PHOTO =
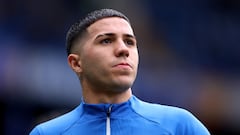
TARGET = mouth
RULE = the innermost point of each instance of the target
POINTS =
(123, 65)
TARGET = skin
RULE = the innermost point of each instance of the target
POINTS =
(106, 61)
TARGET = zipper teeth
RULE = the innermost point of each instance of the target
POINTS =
(108, 124)
(108, 128)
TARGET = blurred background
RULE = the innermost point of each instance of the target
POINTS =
(189, 57)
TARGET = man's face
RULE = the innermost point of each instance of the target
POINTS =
(109, 55)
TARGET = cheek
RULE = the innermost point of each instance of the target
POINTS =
(92, 59)
(135, 57)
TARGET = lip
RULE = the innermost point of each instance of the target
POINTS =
(123, 64)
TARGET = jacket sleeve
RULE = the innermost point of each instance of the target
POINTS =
(193, 126)
(35, 131)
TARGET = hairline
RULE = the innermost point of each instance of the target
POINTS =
(81, 35)
(79, 29)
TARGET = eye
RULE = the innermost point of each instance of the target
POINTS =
(130, 42)
(106, 41)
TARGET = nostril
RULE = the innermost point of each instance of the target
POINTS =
(123, 53)
(127, 54)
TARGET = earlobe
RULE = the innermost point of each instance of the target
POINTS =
(74, 62)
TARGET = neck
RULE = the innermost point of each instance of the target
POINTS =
(93, 97)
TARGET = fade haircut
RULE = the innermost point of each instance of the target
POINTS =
(78, 29)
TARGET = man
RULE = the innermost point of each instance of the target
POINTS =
(102, 51)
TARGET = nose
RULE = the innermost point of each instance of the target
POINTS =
(121, 49)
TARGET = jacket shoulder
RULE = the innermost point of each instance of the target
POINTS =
(158, 112)
(58, 124)
(174, 119)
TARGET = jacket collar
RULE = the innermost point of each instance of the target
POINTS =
(103, 110)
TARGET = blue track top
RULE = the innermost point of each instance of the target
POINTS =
(134, 117)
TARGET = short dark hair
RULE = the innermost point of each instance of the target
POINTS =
(77, 29)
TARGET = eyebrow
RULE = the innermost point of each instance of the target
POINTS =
(112, 34)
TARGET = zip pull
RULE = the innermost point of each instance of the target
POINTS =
(108, 124)
(109, 110)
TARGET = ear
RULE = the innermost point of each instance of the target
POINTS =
(75, 63)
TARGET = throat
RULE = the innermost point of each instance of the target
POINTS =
(104, 97)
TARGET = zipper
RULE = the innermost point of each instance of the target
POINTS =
(108, 124)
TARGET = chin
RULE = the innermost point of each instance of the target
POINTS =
(120, 90)
(122, 87)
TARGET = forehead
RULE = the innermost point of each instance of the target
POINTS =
(110, 25)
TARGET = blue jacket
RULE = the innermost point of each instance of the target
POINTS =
(133, 117)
